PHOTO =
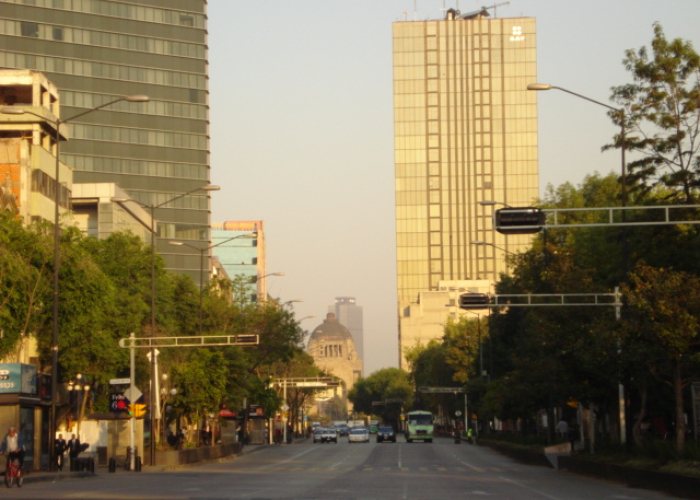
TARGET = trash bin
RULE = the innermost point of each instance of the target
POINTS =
(112, 465)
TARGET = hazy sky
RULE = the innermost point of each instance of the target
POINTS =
(302, 121)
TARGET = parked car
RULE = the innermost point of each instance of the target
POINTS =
(386, 434)
(325, 435)
(359, 435)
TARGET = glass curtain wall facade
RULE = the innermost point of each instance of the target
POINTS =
(95, 51)
(465, 132)
(242, 257)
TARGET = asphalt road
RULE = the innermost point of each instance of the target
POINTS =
(386, 471)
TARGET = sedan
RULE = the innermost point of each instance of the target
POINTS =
(358, 436)
(325, 436)
(386, 434)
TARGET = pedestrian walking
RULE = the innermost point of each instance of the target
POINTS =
(74, 449)
(563, 429)
(60, 447)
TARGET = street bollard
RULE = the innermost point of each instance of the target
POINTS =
(112, 467)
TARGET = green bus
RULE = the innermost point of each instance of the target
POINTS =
(419, 427)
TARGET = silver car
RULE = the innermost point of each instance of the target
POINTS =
(358, 436)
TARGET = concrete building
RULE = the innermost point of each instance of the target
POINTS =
(95, 51)
(28, 146)
(240, 255)
(465, 132)
(98, 217)
(349, 314)
(333, 349)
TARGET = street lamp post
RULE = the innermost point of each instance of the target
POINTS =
(17, 110)
(492, 203)
(620, 111)
(623, 189)
(258, 278)
(258, 288)
(482, 243)
(152, 208)
(291, 302)
(80, 388)
(201, 265)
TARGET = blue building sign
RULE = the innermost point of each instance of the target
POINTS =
(17, 378)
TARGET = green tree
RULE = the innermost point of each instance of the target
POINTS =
(391, 387)
(26, 255)
(664, 314)
(662, 114)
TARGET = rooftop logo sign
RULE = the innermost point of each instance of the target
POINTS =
(517, 35)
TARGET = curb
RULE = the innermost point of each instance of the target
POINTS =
(674, 484)
(55, 476)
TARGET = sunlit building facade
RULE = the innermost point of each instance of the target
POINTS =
(95, 51)
(239, 247)
(465, 132)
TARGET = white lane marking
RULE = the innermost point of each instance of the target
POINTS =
(290, 458)
(531, 489)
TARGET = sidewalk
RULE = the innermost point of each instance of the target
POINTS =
(38, 476)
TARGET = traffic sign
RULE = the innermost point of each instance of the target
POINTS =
(133, 393)
(119, 381)
(519, 220)
(473, 301)
(441, 390)
(118, 402)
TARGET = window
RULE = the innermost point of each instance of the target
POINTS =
(57, 33)
(30, 29)
(186, 20)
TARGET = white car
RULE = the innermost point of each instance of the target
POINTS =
(358, 436)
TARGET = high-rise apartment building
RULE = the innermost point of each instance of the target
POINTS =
(465, 132)
(95, 51)
(348, 313)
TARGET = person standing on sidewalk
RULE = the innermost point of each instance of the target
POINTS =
(60, 446)
(74, 450)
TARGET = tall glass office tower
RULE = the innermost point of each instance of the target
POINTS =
(97, 50)
(465, 132)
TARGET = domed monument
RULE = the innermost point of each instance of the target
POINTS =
(333, 349)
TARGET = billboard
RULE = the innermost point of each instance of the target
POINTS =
(17, 378)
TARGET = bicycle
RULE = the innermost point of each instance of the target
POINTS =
(13, 474)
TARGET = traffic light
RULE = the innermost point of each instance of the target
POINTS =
(473, 301)
(136, 410)
(522, 220)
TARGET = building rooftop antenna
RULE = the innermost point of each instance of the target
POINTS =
(495, 6)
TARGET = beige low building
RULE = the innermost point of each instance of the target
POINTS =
(333, 349)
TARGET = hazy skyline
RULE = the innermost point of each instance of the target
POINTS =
(302, 129)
